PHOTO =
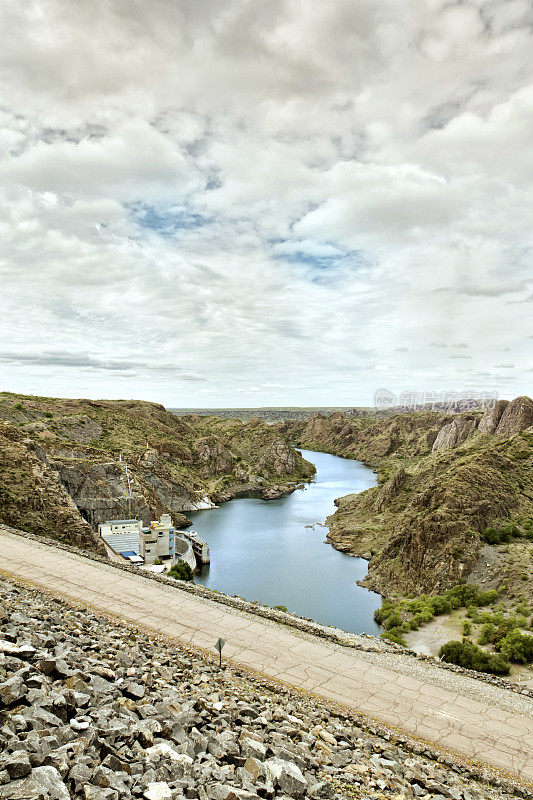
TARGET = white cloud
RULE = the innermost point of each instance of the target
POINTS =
(269, 198)
(134, 160)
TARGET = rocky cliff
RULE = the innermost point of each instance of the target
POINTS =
(443, 479)
(65, 464)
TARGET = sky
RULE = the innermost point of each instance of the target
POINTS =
(265, 202)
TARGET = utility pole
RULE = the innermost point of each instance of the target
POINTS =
(129, 490)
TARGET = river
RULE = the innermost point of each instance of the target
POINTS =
(274, 551)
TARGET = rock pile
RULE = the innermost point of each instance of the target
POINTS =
(92, 709)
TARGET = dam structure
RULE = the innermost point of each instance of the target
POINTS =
(199, 546)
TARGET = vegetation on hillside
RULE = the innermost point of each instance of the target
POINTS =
(445, 481)
(491, 638)
(63, 462)
(470, 656)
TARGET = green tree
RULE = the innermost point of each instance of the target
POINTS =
(181, 571)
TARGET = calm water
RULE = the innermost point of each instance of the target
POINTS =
(262, 550)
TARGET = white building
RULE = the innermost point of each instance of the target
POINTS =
(122, 537)
(157, 541)
(119, 526)
(138, 545)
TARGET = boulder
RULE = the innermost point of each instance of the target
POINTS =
(133, 690)
(254, 768)
(321, 789)
(91, 792)
(286, 776)
(158, 791)
(250, 747)
(17, 764)
(231, 793)
(12, 691)
(44, 782)
(19, 651)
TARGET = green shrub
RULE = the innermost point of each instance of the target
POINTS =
(498, 665)
(19, 407)
(405, 627)
(393, 621)
(381, 614)
(465, 593)
(488, 633)
(394, 635)
(487, 598)
(181, 571)
(510, 529)
(517, 646)
(467, 627)
(440, 605)
(470, 656)
(423, 616)
(506, 533)
(280, 608)
(491, 536)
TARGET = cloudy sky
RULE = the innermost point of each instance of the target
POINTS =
(253, 202)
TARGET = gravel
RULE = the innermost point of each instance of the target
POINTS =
(96, 710)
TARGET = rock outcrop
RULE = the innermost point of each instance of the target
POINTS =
(491, 418)
(454, 433)
(32, 494)
(517, 416)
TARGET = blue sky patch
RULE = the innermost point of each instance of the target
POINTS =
(324, 268)
(166, 220)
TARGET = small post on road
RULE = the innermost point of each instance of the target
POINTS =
(219, 645)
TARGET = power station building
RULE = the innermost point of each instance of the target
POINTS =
(159, 543)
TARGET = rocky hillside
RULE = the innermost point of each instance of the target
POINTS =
(63, 463)
(443, 479)
(97, 711)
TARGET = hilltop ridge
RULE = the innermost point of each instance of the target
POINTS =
(63, 463)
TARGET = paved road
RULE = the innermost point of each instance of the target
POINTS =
(465, 716)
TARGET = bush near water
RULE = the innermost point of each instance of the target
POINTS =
(180, 571)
